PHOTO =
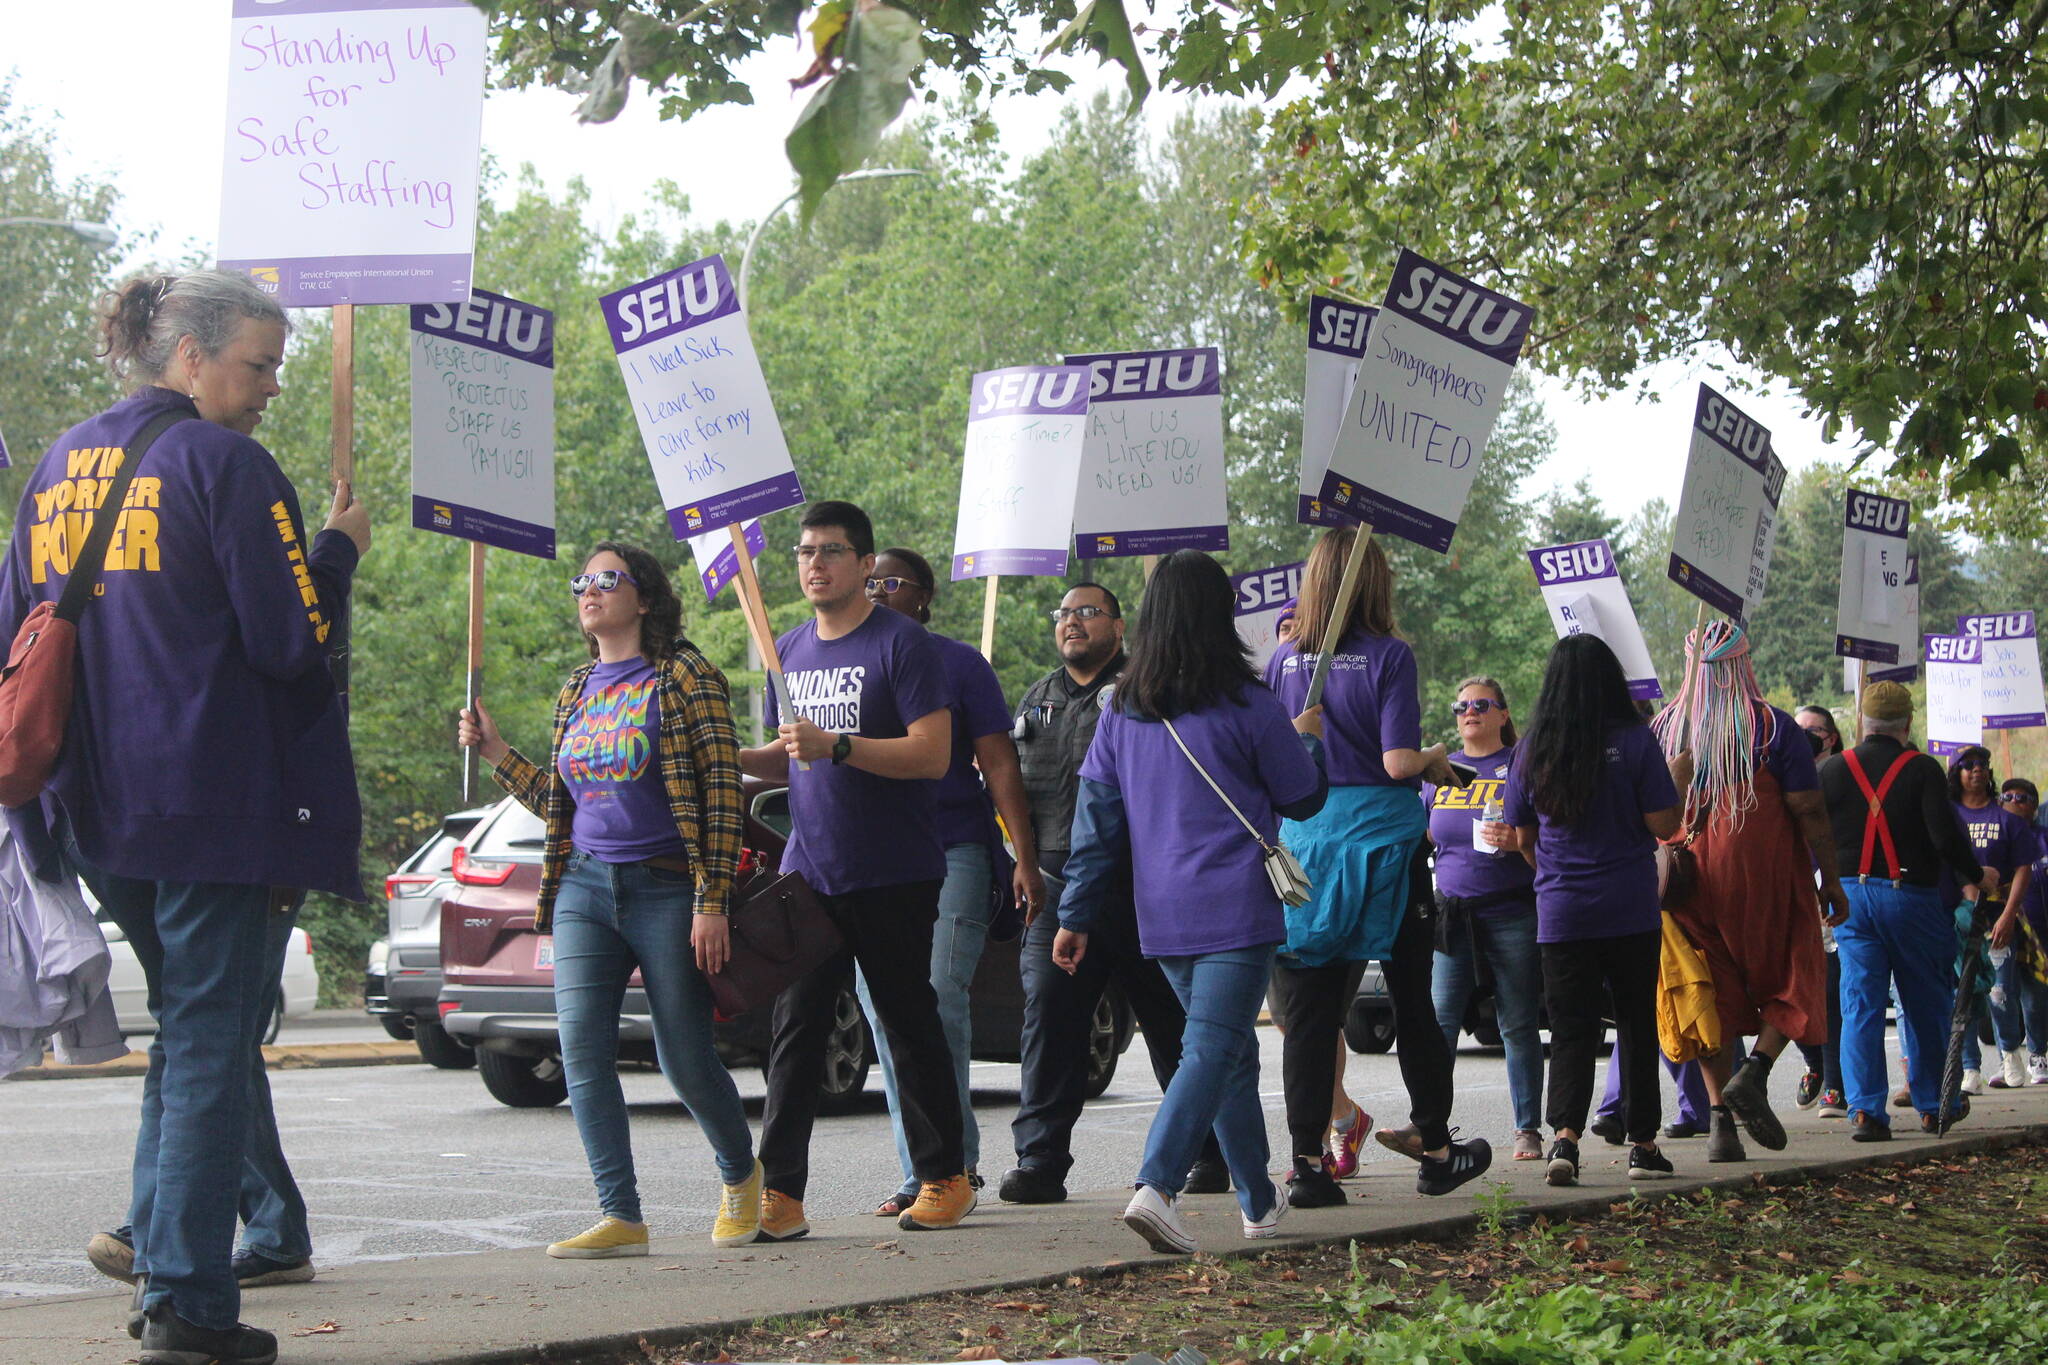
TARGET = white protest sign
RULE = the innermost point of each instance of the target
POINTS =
(1582, 586)
(353, 129)
(1903, 631)
(1260, 596)
(699, 396)
(2012, 669)
(1336, 339)
(1873, 587)
(1435, 371)
(1955, 697)
(718, 563)
(6, 462)
(1728, 512)
(483, 422)
(1152, 477)
(1026, 428)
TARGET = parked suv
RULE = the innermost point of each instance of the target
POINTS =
(402, 983)
(497, 990)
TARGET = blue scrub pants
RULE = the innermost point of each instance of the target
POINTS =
(1903, 935)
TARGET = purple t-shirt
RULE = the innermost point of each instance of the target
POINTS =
(978, 710)
(1597, 877)
(853, 829)
(610, 758)
(1198, 878)
(1370, 704)
(2002, 840)
(1466, 867)
(1788, 755)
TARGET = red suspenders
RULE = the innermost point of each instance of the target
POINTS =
(1876, 829)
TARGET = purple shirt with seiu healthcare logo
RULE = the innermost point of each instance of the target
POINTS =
(1370, 704)
(1597, 877)
(976, 701)
(611, 761)
(1199, 878)
(1464, 867)
(853, 829)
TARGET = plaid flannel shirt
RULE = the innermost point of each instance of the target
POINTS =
(700, 770)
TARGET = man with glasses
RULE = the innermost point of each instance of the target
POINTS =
(1055, 725)
(2023, 799)
(871, 721)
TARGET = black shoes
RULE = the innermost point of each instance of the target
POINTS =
(1683, 1128)
(1930, 1124)
(1466, 1161)
(1724, 1143)
(1865, 1128)
(168, 1339)
(1207, 1177)
(253, 1269)
(1029, 1185)
(1564, 1163)
(1608, 1128)
(1748, 1099)
(1311, 1187)
(1647, 1163)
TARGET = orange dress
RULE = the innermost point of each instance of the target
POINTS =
(1755, 917)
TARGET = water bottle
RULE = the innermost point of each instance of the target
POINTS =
(1494, 813)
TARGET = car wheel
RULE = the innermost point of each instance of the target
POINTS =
(439, 1048)
(276, 1022)
(397, 1025)
(523, 1082)
(1102, 1047)
(1369, 1030)
(849, 1052)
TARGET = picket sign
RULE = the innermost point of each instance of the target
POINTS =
(1152, 473)
(2011, 668)
(1337, 331)
(718, 563)
(1903, 632)
(1582, 587)
(1873, 580)
(1258, 597)
(1727, 521)
(1955, 697)
(5, 462)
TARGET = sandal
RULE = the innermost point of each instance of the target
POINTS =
(896, 1204)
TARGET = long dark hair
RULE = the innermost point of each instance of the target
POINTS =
(1185, 653)
(663, 624)
(1955, 772)
(1584, 696)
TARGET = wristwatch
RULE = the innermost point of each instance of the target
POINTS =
(842, 749)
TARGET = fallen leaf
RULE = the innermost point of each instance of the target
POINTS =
(1579, 1246)
(1021, 1306)
(1609, 1267)
(1789, 1257)
(1244, 1303)
(835, 1321)
(819, 1335)
(321, 1330)
(980, 1353)
(1290, 1275)
(1074, 1281)
(1853, 1277)
(1197, 1289)
(1640, 1292)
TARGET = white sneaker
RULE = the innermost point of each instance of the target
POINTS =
(2037, 1066)
(1158, 1221)
(1269, 1226)
(2012, 1072)
(1973, 1082)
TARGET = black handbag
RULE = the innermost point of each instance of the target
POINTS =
(780, 932)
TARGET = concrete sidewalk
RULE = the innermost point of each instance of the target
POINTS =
(508, 1306)
(278, 1057)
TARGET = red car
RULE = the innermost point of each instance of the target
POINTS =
(497, 990)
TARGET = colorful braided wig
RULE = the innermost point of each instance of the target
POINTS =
(1721, 716)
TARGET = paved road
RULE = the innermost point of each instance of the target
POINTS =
(400, 1161)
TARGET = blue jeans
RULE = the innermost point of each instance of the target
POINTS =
(207, 1149)
(1217, 1085)
(1901, 934)
(1509, 945)
(609, 919)
(957, 941)
(2019, 1009)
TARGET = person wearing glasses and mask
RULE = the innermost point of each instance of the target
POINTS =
(2005, 843)
(1055, 724)
(983, 752)
(644, 813)
(872, 721)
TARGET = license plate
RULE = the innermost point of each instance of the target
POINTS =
(544, 953)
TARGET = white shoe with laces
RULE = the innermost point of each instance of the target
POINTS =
(1973, 1082)
(1157, 1219)
(1269, 1226)
(2012, 1072)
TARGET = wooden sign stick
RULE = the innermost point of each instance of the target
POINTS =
(755, 608)
(988, 617)
(341, 468)
(475, 685)
(1347, 588)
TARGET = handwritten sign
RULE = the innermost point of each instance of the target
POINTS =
(1582, 586)
(1903, 631)
(1873, 586)
(353, 128)
(699, 396)
(1955, 698)
(717, 562)
(1728, 512)
(1260, 596)
(1336, 339)
(2012, 669)
(1429, 388)
(483, 422)
(1026, 429)
(1152, 476)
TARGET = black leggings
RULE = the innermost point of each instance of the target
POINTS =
(1579, 977)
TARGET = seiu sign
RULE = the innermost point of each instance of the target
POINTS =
(1266, 589)
(494, 322)
(1573, 563)
(1029, 389)
(685, 297)
(1741, 437)
(2008, 625)
(1338, 327)
(1953, 649)
(1127, 375)
(1468, 313)
(1875, 512)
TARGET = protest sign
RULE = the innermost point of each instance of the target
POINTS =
(1429, 387)
(353, 128)
(1336, 339)
(1582, 586)
(1152, 477)
(1955, 697)
(5, 461)
(718, 559)
(483, 422)
(2011, 669)
(1728, 512)
(1873, 584)
(697, 391)
(1903, 631)
(1259, 597)
(1026, 427)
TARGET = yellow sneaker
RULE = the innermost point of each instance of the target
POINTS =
(611, 1237)
(782, 1218)
(739, 1212)
(940, 1204)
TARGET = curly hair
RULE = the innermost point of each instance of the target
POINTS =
(662, 626)
(143, 320)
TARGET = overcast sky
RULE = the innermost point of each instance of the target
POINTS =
(143, 104)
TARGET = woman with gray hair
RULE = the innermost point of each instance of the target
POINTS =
(205, 782)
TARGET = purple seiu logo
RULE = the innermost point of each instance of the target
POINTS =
(1573, 563)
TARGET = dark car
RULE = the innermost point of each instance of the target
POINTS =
(497, 990)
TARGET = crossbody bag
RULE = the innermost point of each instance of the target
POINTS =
(1283, 869)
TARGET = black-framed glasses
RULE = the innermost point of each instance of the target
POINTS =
(1478, 706)
(604, 580)
(2016, 799)
(1061, 615)
(892, 585)
(828, 552)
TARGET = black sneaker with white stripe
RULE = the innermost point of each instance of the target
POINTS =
(1647, 1163)
(1465, 1161)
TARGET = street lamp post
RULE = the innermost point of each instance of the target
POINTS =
(747, 256)
(97, 235)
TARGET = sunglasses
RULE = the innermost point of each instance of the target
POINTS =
(1478, 706)
(1972, 765)
(2016, 799)
(604, 580)
(892, 585)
